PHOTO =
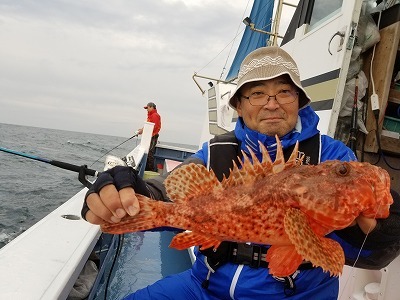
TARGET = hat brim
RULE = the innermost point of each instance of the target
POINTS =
(304, 99)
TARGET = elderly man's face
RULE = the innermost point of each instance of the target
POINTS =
(272, 118)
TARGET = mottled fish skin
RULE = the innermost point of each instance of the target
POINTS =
(288, 205)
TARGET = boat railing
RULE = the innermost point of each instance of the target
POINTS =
(195, 75)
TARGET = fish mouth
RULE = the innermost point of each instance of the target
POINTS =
(384, 184)
(380, 184)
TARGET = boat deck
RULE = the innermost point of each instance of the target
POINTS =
(145, 258)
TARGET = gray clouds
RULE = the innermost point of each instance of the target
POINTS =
(90, 65)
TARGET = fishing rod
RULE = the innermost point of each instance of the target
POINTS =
(82, 170)
(354, 112)
(135, 135)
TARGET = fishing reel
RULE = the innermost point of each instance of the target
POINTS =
(112, 161)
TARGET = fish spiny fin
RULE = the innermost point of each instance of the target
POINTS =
(236, 177)
(266, 162)
(257, 167)
(190, 180)
(279, 163)
(188, 239)
(283, 260)
(247, 170)
(225, 180)
(320, 251)
(294, 160)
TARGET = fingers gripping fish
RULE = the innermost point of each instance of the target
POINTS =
(287, 205)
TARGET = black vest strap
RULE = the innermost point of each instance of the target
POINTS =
(311, 149)
(223, 149)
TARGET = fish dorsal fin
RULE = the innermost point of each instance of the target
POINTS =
(266, 162)
(257, 167)
(294, 160)
(190, 180)
(279, 164)
(246, 174)
(235, 176)
(247, 167)
(249, 172)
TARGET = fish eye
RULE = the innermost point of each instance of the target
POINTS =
(343, 169)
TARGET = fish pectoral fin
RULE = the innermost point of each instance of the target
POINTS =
(188, 239)
(189, 181)
(320, 251)
(283, 260)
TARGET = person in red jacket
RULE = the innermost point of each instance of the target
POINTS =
(153, 117)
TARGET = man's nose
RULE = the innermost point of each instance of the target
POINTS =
(272, 103)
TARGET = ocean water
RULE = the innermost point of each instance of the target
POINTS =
(31, 189)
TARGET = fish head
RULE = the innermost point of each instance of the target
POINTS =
(335, 192)
(373, 184)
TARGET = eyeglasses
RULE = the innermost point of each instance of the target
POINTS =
(282, 97)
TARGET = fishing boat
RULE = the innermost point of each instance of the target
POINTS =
(62, 256)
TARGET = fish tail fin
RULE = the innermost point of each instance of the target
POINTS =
(151, 215)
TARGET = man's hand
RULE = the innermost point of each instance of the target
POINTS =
(113, 196)
(365, 224)
(111, 205)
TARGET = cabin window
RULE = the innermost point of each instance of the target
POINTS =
(323, 10)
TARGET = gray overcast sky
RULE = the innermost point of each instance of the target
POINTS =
(91, 65)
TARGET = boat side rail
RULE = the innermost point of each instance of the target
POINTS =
(46, 259)
(195, 75)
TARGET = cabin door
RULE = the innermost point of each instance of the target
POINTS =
(320, 37)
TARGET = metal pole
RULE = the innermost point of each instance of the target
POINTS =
(277, 20)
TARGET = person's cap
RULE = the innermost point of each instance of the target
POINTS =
(150, 104)
(267, 63)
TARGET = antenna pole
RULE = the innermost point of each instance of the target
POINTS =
(277, 20)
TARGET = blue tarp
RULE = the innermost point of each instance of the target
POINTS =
(261, 16)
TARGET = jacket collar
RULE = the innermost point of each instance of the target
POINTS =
(154, 111)
(305, 128)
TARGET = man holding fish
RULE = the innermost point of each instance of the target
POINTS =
(268, 227)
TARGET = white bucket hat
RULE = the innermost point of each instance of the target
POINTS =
(267, 63)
